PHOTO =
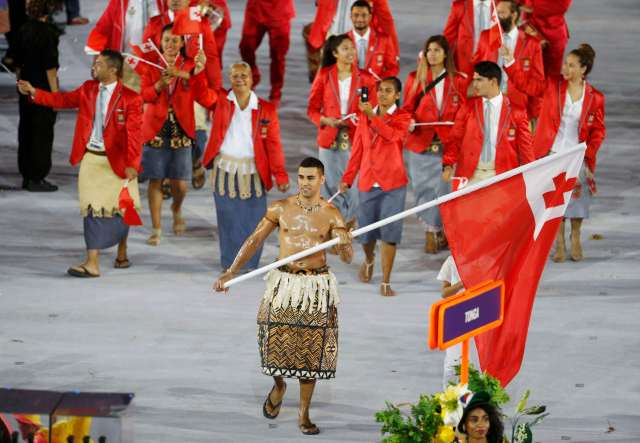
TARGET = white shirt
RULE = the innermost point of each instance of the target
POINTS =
(136, 19)
(390, 111)
(342, 21)
(440, 90)
(496, 109)
(345, 91)
(98, 145)
(477, 11)
(449, 272)
(238, 141)
(567, 135)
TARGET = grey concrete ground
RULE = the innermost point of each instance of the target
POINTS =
(190, 356)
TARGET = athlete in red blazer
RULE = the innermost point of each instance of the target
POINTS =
(513, 145)
(459, 31)
(381, 57)
(454, 97)
(122, 131)
(267, 147)
(528, 55)
(324, 101)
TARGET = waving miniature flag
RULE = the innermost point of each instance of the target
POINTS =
(188, 21)
(503, 229)
(126, 205)
(495, 31)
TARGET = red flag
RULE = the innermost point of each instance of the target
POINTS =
(135, 64)
(503, 229)
(188, 21)
(126, 205)
(495, 31)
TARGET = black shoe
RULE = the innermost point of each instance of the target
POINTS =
(40, 186)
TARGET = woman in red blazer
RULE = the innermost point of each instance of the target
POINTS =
(424, 145)
(574, 113)
(168, 131)
(333, 101)
(377, 159)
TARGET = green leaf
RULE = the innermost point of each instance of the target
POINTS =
(534, 410)
(523, 401)
(538, 419)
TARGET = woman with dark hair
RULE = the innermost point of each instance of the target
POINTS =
(574, 113)
(168, 131)
(36, 59)
(480, 421)
(333, 103)
(434, 93)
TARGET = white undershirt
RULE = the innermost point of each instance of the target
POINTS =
(238, 141)
(567, 135)
(98, 145)
(440, 91)
(345, 91)
(496, 109)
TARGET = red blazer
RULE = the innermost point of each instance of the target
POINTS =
(528, 55)
(382, 22)
(156, 107)
(377, 156)
(513, 145)
(213, 71)
(270, 12)
(122, 132)
(324, 100)
(459, 33)
(267, 148)
(382, 58)
(108, 32)
(453, 98)
(548, 18)
(591, 129)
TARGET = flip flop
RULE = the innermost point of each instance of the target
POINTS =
(121, 264)
(310, 429)
(81, 272)
(271, 405)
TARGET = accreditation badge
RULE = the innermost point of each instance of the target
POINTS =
(120, 116)
(512, 134)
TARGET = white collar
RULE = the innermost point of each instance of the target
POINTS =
(477, 2)
(513, 34)
(390, 111)
(253, 100)
(366, 35)
(171, 15)
(496, 101)
(110, 87)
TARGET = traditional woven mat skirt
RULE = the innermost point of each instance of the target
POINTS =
(298, 325)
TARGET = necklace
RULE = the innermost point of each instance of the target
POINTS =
(306, 208)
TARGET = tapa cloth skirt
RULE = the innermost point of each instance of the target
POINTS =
(298, 325)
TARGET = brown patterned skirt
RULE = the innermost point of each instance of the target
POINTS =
(298, 325)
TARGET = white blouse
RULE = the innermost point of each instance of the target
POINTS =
(567, 136)
(345, 90)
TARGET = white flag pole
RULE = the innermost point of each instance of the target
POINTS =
(155, 48)
(7, 69)
(399, 216)
(333, 196)
(434, 124)
(140, 59)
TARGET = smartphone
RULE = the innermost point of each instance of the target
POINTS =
(364, 94)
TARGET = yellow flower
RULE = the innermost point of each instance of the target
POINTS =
(445, 435)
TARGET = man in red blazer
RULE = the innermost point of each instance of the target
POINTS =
(467, 19)
(375, 53)
(490, 136)
(274, 18)
(244, 152)
(526, 52)
(107, 144)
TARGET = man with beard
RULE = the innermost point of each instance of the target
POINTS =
(107, 144)
(298, 316)
(526, 52)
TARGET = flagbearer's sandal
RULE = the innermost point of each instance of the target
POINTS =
(179, 226)
(366, 271)
(386, 291)
(121, 263)
(81, 272)
(309, 428)
(198, 178)
(154, 238)
(275, 409)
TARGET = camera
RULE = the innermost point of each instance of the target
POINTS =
(364, 94)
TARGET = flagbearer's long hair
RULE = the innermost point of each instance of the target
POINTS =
(423, 64)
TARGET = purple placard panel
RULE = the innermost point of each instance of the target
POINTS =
(471, 314)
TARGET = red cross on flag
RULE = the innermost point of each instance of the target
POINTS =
(188, 21)
(503, 229)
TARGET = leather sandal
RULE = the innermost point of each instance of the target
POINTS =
(154, 238)
(366, 271)
(386, 291)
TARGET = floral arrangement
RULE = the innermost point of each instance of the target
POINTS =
(434, 419)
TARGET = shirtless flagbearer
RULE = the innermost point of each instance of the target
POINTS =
(298, 317)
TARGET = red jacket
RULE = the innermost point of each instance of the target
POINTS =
(459, 32)
(377, 152)
(382, 22)
(382, 58)
(267, 148)
(153, 31)
(270, 12)
(122, 132)
(108, 32)
(156, 107)
(548, 18)
(591, 129)
(453, 98)
(513, 145)
(324, 100)
(528, 55)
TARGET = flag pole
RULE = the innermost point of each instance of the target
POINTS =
(143, 60)
(399, 216)
(155, 48)
(495, 11)
(434, 124)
